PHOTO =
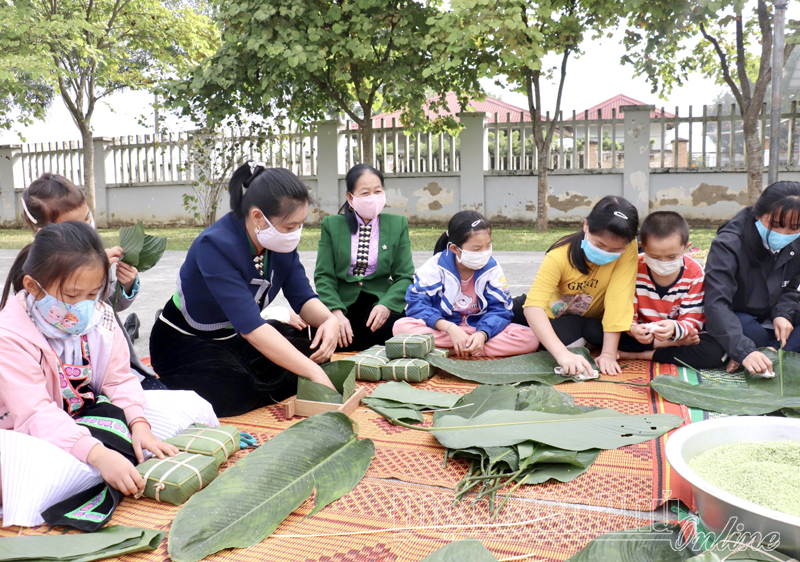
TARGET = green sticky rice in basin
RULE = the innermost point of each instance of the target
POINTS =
(767, 474)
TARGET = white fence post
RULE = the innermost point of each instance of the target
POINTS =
(636, 176)
(10, 180)
(103, 170)
(330, 157)
(474, 160)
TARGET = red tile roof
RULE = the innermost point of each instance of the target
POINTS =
(603, 110)
(490, 106)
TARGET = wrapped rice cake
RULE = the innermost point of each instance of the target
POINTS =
(175, 479)
(218, 442)
(409, 345)
(411, 370)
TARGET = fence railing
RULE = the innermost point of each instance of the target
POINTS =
(397, 151)
(710, 140)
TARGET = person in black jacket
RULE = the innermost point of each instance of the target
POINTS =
(752, 277)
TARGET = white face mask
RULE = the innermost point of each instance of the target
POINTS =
(663, 267)
(275, 241)
(474, 260)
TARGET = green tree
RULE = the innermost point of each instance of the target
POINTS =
(509, 38)
(728, 41)
(294, 59)
(87, 49)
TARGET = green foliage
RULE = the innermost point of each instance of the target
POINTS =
(248, 501)
(465, 550)
(294, 59)
(141, 250)
(658, 542)
(343, 376)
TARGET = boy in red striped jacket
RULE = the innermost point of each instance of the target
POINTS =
(668, 313)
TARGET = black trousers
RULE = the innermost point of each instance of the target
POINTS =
(569, 328)
(707, 354)
(363, 336)
(231, 374)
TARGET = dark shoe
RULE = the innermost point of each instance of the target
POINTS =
(132, 324)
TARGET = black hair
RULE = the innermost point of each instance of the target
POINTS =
(276, 192)
(611, 215)
(350, 181)
(57, 252)
(47, 198)
(460, 228)
(663, 224)
(782, 201)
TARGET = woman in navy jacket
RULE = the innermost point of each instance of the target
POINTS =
(210, 336)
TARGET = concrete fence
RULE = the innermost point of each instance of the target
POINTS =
(691, 164)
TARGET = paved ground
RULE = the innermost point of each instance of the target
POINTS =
(158, 284)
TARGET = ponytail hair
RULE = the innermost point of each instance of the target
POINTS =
(350, 181)
(57, 252)
(611, 215)
(276, 192)
(781, 200)
(47, 198)
(460, 228)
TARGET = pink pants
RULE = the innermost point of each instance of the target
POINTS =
(513, 340)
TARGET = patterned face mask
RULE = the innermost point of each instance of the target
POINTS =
(69, 318)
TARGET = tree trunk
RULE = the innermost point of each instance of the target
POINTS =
(541, 205)
(368, 156)
(88, 167)
(755, 160)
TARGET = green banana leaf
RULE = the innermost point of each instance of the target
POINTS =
(536, 367)
(598, 429)
(654, 543)
(466, 550)
(143, 251)
(385, 403)
(547, 399)
(723, 398)
(542, 472)
(550, 455)
(407, 394)
(726, 550)
(248, 501)
(482, 399)
(106, 543)
(131, 238)
(343, 376)
(407, 415)
(791, 375)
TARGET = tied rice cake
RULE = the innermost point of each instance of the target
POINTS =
(415, 346)
(411, 370)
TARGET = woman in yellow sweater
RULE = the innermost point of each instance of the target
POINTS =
(583, 292)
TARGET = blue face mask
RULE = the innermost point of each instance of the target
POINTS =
(69, 318)
(596, 255)
(775, 240)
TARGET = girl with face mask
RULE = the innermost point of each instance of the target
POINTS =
(364, 263)
(210, 336)
(583, 291)
(668, 318)
(461, 295)
(752, 275)
(52, 199)
(74, 420)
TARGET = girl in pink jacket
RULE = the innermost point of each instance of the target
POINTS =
(74, 420)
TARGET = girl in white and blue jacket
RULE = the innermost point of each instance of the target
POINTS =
(461, 296)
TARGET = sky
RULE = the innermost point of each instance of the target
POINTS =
(594, 77)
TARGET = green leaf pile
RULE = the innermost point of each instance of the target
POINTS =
(248, 501)
(519, 435)
(142, 251)
(532, 367)
(343, 376)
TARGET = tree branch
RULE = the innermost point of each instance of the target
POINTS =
(764, 68)
(741, 61)
(726, 74)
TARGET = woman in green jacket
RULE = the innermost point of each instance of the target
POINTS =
(364, 263)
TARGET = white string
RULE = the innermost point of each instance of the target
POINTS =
(428, 527)
(523, 557)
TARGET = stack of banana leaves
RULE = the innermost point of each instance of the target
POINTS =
(515, 435)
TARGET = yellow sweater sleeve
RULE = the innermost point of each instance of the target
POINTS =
(618, 313)
(547, 281)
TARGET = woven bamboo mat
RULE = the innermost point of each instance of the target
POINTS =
(408, 479)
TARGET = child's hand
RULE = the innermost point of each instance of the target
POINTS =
(757, 362)
(642, 334)
(126, 275)
(116, 470)
(574, 364)
(459, 339)
(298, 323)
(664, 330)
(143, 438)
(475, 343)
(783, 329)
(607, 364)
(114, 254)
